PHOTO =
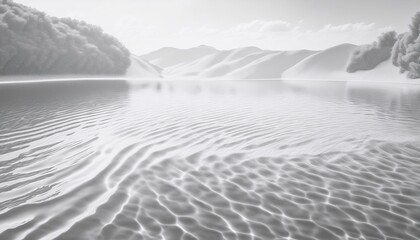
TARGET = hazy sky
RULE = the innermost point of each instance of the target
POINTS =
(145, 25)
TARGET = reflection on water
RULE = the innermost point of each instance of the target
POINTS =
(209, 160)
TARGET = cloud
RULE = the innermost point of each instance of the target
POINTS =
(34, 43)
(406, 51)
(369, 56)
(263, 26)
(279, 26)
(349, 27)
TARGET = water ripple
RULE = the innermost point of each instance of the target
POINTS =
(102, 160)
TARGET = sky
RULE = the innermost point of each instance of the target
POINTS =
(147, 25)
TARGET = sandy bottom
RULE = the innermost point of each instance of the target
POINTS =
(255, 160)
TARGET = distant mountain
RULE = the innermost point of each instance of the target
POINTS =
(254, 63)
(330, 64)
(168, 56)
(141, 68)
(330, 61)
(271, 65)
(240, 63)
(218, 64)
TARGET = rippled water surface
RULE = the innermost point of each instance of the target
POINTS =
(210, 160)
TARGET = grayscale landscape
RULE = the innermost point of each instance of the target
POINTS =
(196, 119)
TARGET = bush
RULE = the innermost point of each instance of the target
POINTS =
(406, 51)
(369, 56)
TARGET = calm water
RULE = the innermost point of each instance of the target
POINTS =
(209, 160)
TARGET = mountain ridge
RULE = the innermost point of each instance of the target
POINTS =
(205, 62)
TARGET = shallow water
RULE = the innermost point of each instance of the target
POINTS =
(209, 160)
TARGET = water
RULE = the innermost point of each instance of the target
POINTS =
(209, 160)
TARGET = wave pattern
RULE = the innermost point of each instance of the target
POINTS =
(99, 160)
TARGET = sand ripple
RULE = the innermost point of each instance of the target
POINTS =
(102, 160)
